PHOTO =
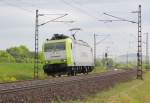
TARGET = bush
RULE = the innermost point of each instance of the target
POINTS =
(21, 54)
(5, 57)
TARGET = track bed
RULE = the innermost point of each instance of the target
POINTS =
(65, 88)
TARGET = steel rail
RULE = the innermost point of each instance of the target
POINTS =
(56, 83)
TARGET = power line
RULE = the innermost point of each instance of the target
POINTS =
(103, 39)
(139, 47)
(82, 6)
(79, 9)
(52, 19)
(16, 6)
(96, 43)
(119, 19)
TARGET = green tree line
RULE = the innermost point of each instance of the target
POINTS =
(20, 54)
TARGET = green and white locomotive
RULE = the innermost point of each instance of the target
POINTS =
(67, 56)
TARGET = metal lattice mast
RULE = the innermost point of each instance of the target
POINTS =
(139, 53)
(36, 58)
(96, 43)
(94, 49)
(127, 59)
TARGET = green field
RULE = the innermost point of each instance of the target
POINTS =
(10, 72)
(17, 71)
(99, 70)
(135, 91)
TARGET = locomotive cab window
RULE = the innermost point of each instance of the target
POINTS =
(54, 46)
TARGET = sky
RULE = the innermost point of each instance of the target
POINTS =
(17, 23)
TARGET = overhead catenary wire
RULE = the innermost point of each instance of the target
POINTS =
(79, 9)
(139, 51)
(119, 19)
(16, 6)
(53, 19)
(96, 43)
(82, 6)
(103, 39)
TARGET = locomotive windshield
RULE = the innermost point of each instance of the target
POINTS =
(54, 46)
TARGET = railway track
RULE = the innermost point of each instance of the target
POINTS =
(11, 89)
(31, 84)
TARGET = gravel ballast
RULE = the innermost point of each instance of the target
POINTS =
(68, 88)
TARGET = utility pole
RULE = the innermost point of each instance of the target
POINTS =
(147, 53)
(94, 49)
(139, 53)
(96, 43)
(36, 54)
(127, 59)
(106, 60)
(37, 25)
(127, 55)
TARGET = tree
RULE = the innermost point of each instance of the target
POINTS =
(98, 62)
(20, 53)
(5, 57)
(41, 57)
(109, 60)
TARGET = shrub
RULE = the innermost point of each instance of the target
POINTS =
(5, 57)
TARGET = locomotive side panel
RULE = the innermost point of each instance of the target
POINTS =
(82, 54)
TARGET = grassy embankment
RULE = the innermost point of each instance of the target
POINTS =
(17, 71)
(99, 70)
(10, 72)
(135, 91)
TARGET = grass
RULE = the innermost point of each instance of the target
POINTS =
(10, 72)
(135, 91)
(99, 69)
(17, 71)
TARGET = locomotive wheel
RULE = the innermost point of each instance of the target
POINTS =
(86, 68)
(69, 72)
(72, 73)
(75, 73)
(53, 75)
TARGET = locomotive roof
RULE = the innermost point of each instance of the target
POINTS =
(69, 39)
